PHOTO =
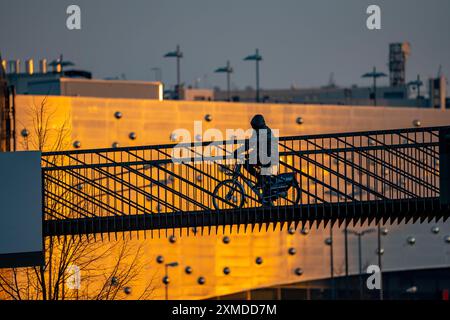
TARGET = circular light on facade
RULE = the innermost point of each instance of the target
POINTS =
(447, 239)
(114, 281)
(173, 137)
(292, 251)
(226, 240)
(298, 271)
(188, 270)
(208, 118)
(328, 241)
(115, 145)
(435, 230)
(411, 241)
(132, 135)
(166, 280)
(199, 178)
(80, 186)
(299, 120)
(259, 260)
(24, 133)
(384, 231)
(304, 231)
(417, 123)
(412, 290)
(127, 290)
(198, 137)
(380, 252)
(159, 259)
(77, 144)
(201, 280)
(118, 115)
(159, 208)
(291, 230)
(172, 239)
(226, 271)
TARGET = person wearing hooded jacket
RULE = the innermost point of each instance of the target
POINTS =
(258, 160)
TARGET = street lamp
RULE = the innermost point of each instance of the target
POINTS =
(329, 242)
(228, 70)
(380, 251)
(166, 276)
(176, 54)
(374, 75)
(346, 256)
(257, 58)
(360, 234)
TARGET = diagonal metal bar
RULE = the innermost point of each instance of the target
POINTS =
(373, 175)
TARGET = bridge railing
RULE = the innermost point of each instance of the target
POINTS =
(337, 169)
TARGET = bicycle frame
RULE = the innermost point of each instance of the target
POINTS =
(237, 173)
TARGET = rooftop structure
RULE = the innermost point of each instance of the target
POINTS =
(76, 83)
(398, 54)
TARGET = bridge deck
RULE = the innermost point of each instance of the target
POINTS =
(392, 175)
(406, 210)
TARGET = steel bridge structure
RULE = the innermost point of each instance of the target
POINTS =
(391, 176)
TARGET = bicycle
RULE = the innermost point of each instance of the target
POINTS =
(230, 193)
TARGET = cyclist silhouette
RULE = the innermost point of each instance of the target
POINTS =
(258, 149)
(261, 162)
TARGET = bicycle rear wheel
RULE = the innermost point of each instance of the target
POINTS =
(228, 194)
(292, 196)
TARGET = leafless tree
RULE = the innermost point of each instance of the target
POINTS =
(108, 269)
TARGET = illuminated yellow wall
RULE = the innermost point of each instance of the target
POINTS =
(92, 122)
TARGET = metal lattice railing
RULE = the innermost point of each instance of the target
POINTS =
(89, 186)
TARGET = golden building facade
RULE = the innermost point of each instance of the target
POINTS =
(95, 123)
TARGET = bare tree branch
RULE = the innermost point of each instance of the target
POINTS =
(99, 262)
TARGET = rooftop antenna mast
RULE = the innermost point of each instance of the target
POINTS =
(439, 74)
(331, 81)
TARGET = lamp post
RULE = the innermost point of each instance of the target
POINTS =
(346, 256)
(379, 253)
(329, 242)
(360, 234)
(166, 276)
(228, 70)
(374, 75)
(178, 55)
(257, 58)
(333, 286)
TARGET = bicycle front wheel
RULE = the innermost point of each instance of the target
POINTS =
(228, 194)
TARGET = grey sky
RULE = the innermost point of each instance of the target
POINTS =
(302, 42)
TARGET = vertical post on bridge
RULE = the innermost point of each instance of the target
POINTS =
(444, 166)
